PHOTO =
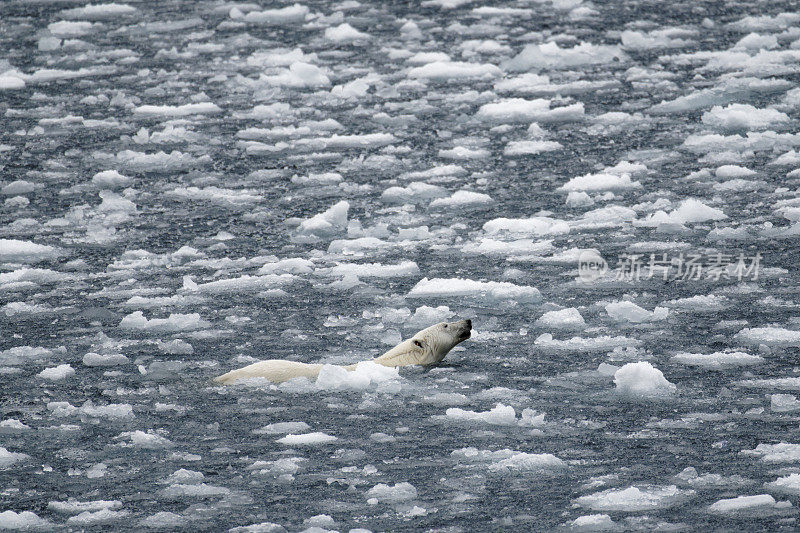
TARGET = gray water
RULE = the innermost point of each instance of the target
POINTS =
(533, 424)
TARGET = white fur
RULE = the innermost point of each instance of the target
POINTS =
(427, 347)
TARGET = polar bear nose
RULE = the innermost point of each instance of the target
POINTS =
(469, 323)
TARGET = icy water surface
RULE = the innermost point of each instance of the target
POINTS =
(189, 187)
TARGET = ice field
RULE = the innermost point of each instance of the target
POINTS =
(610, 191)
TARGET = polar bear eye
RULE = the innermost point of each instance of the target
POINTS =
(419, 344)
(445, 326)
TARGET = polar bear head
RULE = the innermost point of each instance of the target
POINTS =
(428, 346)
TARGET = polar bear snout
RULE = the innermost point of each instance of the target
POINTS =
(463, 329)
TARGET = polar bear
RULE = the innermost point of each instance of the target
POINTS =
(427, 347)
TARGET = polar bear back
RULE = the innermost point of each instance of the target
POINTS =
(275, 370)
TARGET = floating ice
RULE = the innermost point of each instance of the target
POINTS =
(463, 153)
(185, 476)
(204, 108)
(770, 335)
(8, 458)
(510, 461)
(307, 439)
(789, 484)
(602, 343)
(782, 452)
(365, 375)
(371, 270)
(357, 246)
(73, 506)
(729, 90)
(18, 187)
(96, 359)
(278, 428)
(569, 318)
(600, 182)
(162, 520)
(327, 223)
(454, 70)
(440, 171)
(718, 360)
(666, 38)
(241, 284)
(743, 503)
(24, 521)
(771, 383)
(11, 80)
(174, 323)
(65, 28)
(733, 171)
(110, 179)
(423, 58)
(12, 425)
(15, 308)
(414, 192)
(701, 303)
(25, 354)
(262, 527)
(175, 347)
(743, 117)
(425, 316)
(593, 522)
(16, 251)
(525, 247)
(400, 492)
(636, 499)
(159, 161)
(550, 55)
(291, 265)
(626, 311)
(518, 110)
(751, 142)
(280, 57)
(493, 290)
(299, 75)
(47, 75)
(326, 178)
(462, 199)
(146, 440)
(642, 380)
(602, 217)
(528, 462)
(57, 373)
(515, 148)
(179, 491)
(344, 33)
(765, 22)
(690, 477)
(540, 226)
(692, 210)
(292, 14)
(783, 403)
(98, 11)
(499, 415)
(112, 411)
(217, 195)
